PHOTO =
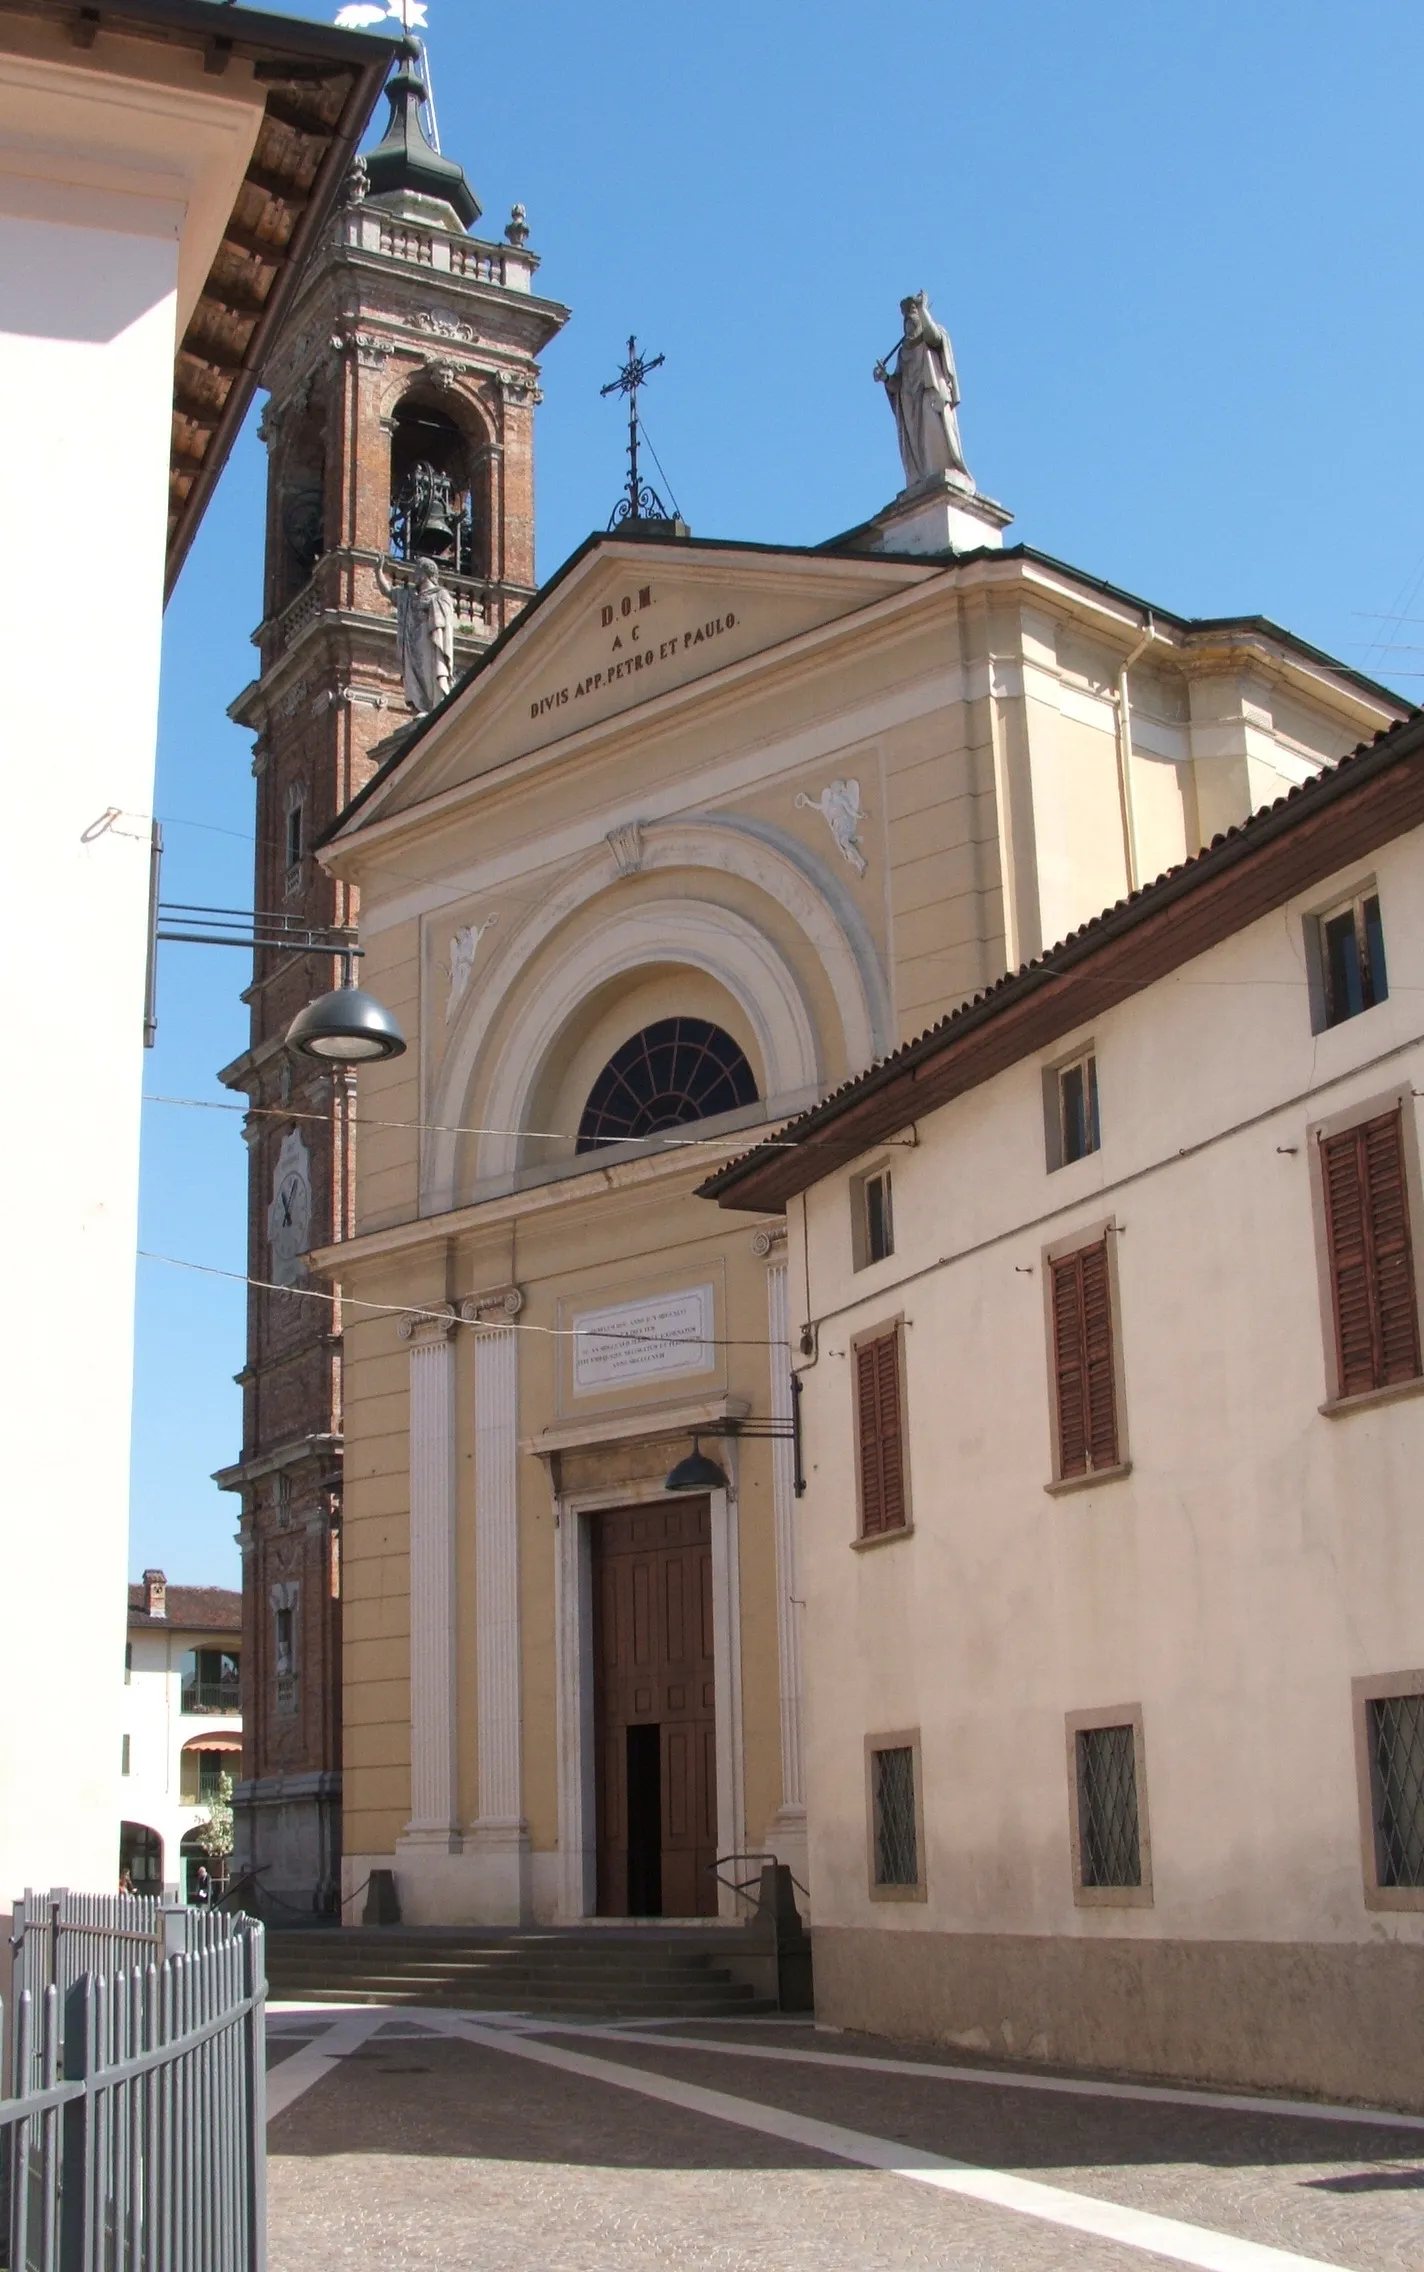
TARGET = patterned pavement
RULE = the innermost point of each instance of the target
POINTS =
(400, 2140)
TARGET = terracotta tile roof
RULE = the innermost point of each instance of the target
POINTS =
(191, 1609)
(1071, 981)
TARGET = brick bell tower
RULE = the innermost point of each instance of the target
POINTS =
(400, 427)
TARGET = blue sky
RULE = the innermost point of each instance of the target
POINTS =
(1177, 247)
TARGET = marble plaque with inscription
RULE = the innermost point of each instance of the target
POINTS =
(659, 1339)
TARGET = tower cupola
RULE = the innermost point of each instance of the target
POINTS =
(405, 171)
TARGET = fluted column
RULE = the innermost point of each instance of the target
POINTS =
(500, 1835)
(433, 1801)
(786, 1833)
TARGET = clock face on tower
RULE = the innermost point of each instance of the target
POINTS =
(289, 1216)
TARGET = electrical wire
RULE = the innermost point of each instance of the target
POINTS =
(736, 1137)
(620, 1334)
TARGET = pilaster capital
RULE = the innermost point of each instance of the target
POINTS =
(424, 1329)
(497, 1305)
(768, 1242)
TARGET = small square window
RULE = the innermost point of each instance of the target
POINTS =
(1070, 1109)
(893, 1817)
(1395, 1730)
(879, 1220)
(1349, 943)
(128, 1664)
(873, 1218)
(1078, 1108)
(294, 836)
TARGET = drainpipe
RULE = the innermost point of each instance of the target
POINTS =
(1124, 753)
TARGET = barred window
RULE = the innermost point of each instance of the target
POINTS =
(1396, 1739)
(1109, 1847)
(892, 1784)
(674, 1071)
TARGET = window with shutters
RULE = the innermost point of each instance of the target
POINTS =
(877, 1360)
(1070, 1108)
(1389, 1725)
(872, 1218)
(1088, 1432)
(1369, 1255)
(1347, 959)
(1108, 1808)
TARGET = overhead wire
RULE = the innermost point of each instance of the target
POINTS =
(621, 1334)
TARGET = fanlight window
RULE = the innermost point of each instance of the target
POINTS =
(677, 1070)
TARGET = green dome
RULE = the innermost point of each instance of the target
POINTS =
(407, 159)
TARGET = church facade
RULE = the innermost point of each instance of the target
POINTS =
(709, 829)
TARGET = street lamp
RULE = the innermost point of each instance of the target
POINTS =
(346, 1027)
(696, 1473)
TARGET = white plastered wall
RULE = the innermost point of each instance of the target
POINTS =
(113, 194)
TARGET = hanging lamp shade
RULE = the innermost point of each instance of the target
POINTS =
(346, 1027)
(696, 1473)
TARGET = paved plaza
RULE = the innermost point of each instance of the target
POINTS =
(479, 2143)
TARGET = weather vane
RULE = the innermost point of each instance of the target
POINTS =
(639, 502)
(364, 15)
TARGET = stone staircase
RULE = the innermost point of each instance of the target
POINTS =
(604, 1972)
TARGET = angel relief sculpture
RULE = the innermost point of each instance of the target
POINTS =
(463, 948)
(839, 807)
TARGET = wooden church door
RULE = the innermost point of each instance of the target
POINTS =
(655, 1710)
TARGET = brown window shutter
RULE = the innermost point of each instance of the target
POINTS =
(1083, 1371)
(880, 1434)
(1098, 1354)
(1371, 1258)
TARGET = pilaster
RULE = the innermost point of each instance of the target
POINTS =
(433, 1822)
(500, 1836)
(786, 1832)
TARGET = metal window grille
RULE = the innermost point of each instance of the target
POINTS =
(893, 1785)
(678, 1070)
(133, 2135)
(1109, 1847)
(1396, 1726)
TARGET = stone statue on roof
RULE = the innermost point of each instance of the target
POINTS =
(924, 394)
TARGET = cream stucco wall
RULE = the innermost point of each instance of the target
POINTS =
(117, 175)
(1258, 1557)
(648, 845)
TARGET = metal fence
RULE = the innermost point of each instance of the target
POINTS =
(133, 2136)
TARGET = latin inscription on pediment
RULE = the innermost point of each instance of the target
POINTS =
(635, 638)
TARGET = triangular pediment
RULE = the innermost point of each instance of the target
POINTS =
(623, 626)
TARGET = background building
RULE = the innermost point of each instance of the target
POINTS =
(1108, 1290)
(401, 418)
(182, 1725)
(163, 165)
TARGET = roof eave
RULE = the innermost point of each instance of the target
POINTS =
(1061, 987)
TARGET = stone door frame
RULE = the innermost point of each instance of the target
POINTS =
(574, 1680)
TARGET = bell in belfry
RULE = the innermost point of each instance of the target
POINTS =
(425, 506)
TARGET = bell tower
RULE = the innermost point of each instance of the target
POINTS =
(399, 430)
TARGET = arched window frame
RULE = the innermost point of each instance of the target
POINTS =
(672, 1072)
